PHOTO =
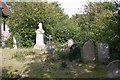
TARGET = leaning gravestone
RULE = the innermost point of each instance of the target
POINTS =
(113, 69)
(88, 52)
(103, 53)
(39, 38)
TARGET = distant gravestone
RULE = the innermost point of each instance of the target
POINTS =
(113, 69)
(49, 45)
(39, 38)
(103, 53)
(14, 43)
(88, 52)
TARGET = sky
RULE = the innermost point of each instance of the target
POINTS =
(71, 7)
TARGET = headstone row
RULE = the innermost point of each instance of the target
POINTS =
(88, 52)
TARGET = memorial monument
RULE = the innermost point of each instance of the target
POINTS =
(39, 38)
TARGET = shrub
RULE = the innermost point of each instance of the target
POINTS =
(9, 42)
(75, 52)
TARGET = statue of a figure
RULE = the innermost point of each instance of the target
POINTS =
(40, 25)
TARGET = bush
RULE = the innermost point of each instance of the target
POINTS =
(64, 55)
(75, 52)
(9, 42)
(63, 33)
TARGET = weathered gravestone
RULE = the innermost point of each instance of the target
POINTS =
(88, 52)
(39, 38)
(103, 53)
(113, 69)
(49, 45)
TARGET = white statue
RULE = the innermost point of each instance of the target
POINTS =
(70, 42)
(39, 38)
(40, 25)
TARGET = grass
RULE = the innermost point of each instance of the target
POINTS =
(72, 71)
(16, 60)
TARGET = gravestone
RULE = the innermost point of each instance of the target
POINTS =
(88, 52)
(113, 69)
(14, 43)
(103, 53)
(39, 38)
(49, 45)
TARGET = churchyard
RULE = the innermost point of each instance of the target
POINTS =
(28, 63)
(58, 61)
(34, 43)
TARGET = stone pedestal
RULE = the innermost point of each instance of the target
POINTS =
(39, 38)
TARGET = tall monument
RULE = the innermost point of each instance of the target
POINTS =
(39, 38)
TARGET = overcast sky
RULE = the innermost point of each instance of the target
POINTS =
(72, 7)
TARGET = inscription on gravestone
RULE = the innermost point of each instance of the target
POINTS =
(88, 52)
(103, 53)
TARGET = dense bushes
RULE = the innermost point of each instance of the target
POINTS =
(63, 33)
(75, 52)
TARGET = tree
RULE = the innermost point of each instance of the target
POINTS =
(26, 17)
(101, 24)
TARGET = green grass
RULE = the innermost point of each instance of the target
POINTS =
(72, 71)
(50, 69)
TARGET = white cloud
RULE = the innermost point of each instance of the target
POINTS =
(71, 6)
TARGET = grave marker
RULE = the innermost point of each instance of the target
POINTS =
(49, 46)
(88, 52)
(103, 53)
(39, 38)
(113, 69)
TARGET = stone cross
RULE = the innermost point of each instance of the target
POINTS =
(49, 47)
(39, 38)
(50, 37)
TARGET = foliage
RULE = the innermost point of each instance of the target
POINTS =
(75, 52)
(9, 42)
(63, 33)
(23, 22)
(63, 55)
(101, 24)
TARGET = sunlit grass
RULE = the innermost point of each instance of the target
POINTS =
(22, 59)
